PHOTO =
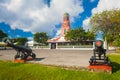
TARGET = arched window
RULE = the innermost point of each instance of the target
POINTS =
(65, 31)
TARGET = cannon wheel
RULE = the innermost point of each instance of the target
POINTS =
(21, 56)
(33, 55)
(26, 55)
(17, 56)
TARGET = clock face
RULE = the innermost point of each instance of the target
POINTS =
(65, 23)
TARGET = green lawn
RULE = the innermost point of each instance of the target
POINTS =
(19, 71)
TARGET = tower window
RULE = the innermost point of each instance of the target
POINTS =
(64, 31)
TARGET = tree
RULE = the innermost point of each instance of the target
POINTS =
(108, 22)
(79, 35)
(41, 37)
(2, 35)
(116, 42)
(76, 35)
(21, 41)
(90, 35)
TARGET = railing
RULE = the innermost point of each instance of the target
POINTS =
(76, 46)
(63, 47)
(38, 47)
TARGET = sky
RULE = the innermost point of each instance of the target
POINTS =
(23, 18)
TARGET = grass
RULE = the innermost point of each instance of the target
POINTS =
(20, 71)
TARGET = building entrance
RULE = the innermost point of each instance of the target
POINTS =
(53, 45)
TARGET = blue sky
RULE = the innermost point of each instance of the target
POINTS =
(22, 18)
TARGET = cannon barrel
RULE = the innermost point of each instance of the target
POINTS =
(99, 47)
(98, 43)
(20, 48)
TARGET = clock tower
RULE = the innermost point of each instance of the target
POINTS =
(65, 24)
(64, 29)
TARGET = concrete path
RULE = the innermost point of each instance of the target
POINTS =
(63, 57)
(78, 58)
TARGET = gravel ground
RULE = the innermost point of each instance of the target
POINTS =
(78, 58)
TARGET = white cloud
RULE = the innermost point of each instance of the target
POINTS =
(106, 5)
(92, 0)
(35, 15)
(30, 38)
(102, 5)
(14, 5)
(86, 25)
(58, 32)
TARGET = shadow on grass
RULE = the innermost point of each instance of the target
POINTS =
(38, 59)
(115, 66)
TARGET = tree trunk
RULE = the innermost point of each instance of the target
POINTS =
(105, 44)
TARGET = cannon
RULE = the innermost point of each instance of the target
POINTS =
(99, 56)
(99, 60)
(23, 53)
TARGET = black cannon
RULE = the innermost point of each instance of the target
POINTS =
(22, 52)
(99, 56)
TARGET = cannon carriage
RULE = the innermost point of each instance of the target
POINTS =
(99, 54)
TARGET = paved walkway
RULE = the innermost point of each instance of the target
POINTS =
(78, 58)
